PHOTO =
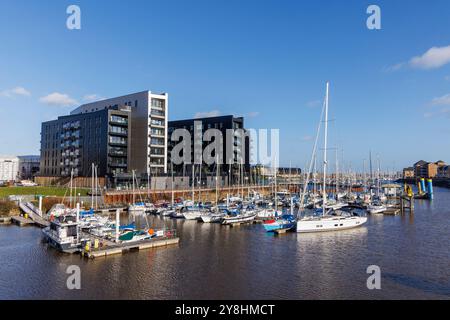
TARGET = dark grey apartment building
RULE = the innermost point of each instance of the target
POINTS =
(240, 143)
(78, 140)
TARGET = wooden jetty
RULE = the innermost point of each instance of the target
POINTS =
(22, 221)
(114, 249)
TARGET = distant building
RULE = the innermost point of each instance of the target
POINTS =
(239, 143)
(28, 166)
(118, 135)
(9, 168)
(423, 169)
(408, 173)
(444, 172)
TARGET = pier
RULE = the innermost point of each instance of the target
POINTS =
(114, 249)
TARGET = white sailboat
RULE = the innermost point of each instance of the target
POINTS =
(192, 213)
(216, 215)
(329, 220)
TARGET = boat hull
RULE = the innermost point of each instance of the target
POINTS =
(329, 224)
(238, 219)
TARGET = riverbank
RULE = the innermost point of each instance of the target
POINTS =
(38, 190)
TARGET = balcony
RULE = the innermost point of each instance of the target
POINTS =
(117, 154)
(157, 114)
(118, 121)
(117, 164)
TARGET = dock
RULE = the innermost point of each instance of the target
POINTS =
(22, 221)
(123, 248)
(5, 220)
(34, 214)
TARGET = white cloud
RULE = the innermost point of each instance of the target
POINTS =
(58, 99)
(92, 97)
(209, 114)
(441, 101)
(253, 114)
(17, 91)
(306, 138)
(433, 58)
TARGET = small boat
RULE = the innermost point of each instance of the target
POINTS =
(63, 233)
(138, 207)
(135, 235)
(376, 208)
(284, 223)
(192, 214)
(212, 217)
(239, 217)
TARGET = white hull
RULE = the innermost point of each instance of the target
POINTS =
(321, 224)
(376, 209)
(192, 215)
(210, 218)
(167, 213)
(239, 218)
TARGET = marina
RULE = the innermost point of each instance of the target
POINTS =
(406, 246)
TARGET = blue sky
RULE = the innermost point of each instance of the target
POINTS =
(265, 60)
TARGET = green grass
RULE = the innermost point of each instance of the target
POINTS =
(45, 191)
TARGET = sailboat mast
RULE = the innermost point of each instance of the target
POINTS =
(173, 196)
(193, 184)
(325, 151)
(217, 182)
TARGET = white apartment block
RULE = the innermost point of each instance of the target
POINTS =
(148, 136)
(9, 168)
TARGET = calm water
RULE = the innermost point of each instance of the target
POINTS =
(215, 262)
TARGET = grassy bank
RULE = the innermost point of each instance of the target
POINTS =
(45, 191)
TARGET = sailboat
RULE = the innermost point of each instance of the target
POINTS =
(193, 212)
(216, 215)
(328, 219)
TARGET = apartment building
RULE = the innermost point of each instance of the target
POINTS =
(234, 150)
(118, 135)
(9, 168)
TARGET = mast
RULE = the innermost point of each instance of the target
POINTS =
(324, 191)
(217, 182)
(193, 183)
(171, 169)
(132, 183)
(92, 187)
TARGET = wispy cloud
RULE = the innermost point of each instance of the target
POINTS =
(313, 103)
(208, 114)
(58, 99)
(441, 101)
(253, 114)
(306, 138)
(17, 91)
(443, 112)
(433, 58)
(92, 97)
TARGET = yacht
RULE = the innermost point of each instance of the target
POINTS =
(332, 221)
(376, 208)
(329, 219)
(212, 217)
(63, 233)
(246, 216)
